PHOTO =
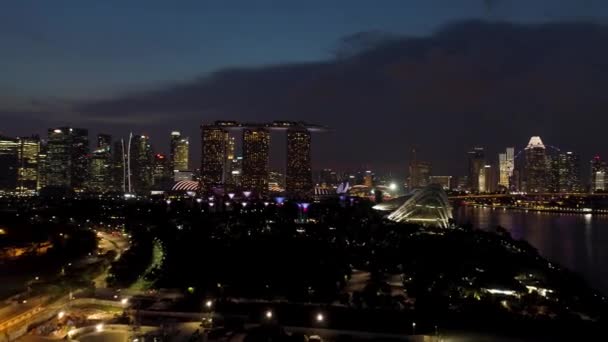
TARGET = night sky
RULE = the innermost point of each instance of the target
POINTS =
(385, 75)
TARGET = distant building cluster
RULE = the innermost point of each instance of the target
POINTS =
(537, 168)
(66, 161)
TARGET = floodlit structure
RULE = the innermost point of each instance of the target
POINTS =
(428, 206)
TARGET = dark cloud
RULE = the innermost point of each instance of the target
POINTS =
(470, 83)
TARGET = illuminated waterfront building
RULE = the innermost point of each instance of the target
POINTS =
(476, 162)
(598, 175)
(213, 157)
(536, 166)
(487, 180)
(298, 178)
(419, 171)
(256, 147)
(565, 173)
(506, 165)
(179, 154)
(67, 161)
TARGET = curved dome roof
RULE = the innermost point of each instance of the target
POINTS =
(428, 206)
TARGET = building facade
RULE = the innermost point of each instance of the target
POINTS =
(536, 167)
(298, 177)
(598, 178)
(256, 149)
(179, 153)
(8, 163)
(476, 162)
(506, 165)
(213, 157)
(67, 160)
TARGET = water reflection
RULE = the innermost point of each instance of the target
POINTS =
(578, 242)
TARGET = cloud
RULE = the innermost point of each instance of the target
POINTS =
(470, 83)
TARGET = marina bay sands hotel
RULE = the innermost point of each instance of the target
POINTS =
(218, 156)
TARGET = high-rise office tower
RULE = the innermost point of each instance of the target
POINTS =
(213, 158)
(67, 164)
(100, 166)
(256, 148)
(28, 151)
(230, 162)
(536, 166)
(42, 166)
(506, 165)
(598, 177)
(180, 147)
(119, 166)
(487, 180)
(368, 179)
(161, 172)
(476, 162)
(566, 166)
(420, 171)
(141, 157)
(298, 178)
(8, 163)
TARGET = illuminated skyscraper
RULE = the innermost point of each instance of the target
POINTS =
(536, 166)
(420, 171)
(180, 147)
(214, 140)
(161, 172)
(67, 164)
(476, 161)
(506, 165)
(567, 168)
(231, 163)
(42, 166)
(487, 179)
(598, 175)
(27, 155)
(298, 178)
(8, 163)
(141, 159)
(100, 165)
(256, 147)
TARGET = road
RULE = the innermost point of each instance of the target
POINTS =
(110, 242)
(15, 313)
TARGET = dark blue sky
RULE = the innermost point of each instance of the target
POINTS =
(121, 65)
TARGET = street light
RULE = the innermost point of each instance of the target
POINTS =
(268, 314)
(413, 328)
(124, 301)
(320, 318)
(99, 327)
(209, 304)
(60, 314)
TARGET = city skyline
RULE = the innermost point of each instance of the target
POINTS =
(375, 77)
